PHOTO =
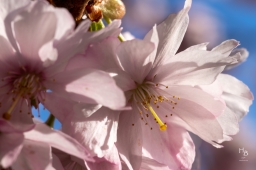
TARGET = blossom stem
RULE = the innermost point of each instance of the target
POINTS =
(95, 26)
(50, 120)
(108, 21)
(159, 121)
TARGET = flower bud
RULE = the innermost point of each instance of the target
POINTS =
(113, 9)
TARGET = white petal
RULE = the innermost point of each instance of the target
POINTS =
(34, 156)
(129, 139)
(133, 56)
(57, 139)
(226, 47)
(171, 33)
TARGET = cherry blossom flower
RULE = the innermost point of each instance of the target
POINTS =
(30, 149)
(37, 41)
(166, 93)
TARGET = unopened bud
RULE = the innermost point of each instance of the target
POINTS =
(113, 9)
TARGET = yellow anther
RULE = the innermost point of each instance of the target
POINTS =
(160, 98)
(159, 121)
(163, 127)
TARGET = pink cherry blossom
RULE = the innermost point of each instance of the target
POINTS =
(37, 41)
(30, 149)
(165, 90)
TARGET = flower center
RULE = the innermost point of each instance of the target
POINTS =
(146, 94)
(24, 85)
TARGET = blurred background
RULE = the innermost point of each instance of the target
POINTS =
(210, 21)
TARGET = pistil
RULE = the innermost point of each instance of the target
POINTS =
(163, 126)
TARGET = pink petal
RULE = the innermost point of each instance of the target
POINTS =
(89, 86)
(233, 86)
(53, 103)
(101, 55)
(200, 97)
(133, 56)
(57, 139)
(48, 54)
(238, 98)
(11, 5)
(6, 53)
(197, 119)
(173, 147)
(149, 163)
(226, 47)
(34, 27)
(229, 123)
(8, 127)
(70, 110)
(191, 68)
(20, 119)
(65, 23)
(68, 46)
(123, 79)
(56, 162)
(171, 33)
(110, 161)
(7, 7)
(243, 56)
(22, 116)
(129, 139)
(152, 36)
(97, 133)
(34, 156)
(11, 145)
(79, 41)
(202, 46)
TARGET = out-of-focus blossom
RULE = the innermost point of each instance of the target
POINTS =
(37, 41)
(162, 88)
(31, 149)
(141, 15)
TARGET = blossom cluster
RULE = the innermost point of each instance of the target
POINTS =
(122, 104)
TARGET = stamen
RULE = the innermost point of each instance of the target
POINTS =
(159, 121)
(7, 115)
